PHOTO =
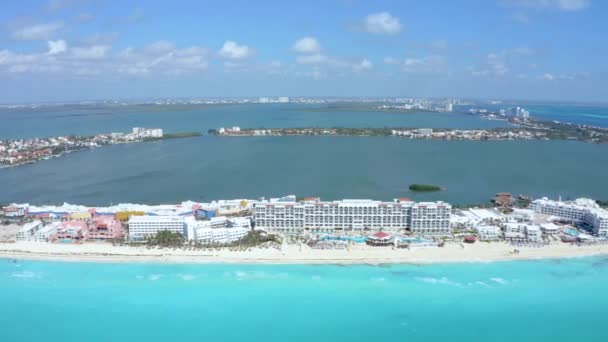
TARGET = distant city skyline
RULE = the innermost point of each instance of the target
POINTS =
(72, 50)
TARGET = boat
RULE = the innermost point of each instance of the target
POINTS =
(470, 239)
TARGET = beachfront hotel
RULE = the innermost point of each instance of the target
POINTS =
(352, 215)
(582, 211)
(141, 227)
(29, 230)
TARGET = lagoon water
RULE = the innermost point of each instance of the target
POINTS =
(209, 168)
(550, 300)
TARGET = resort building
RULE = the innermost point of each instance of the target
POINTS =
(142, 226)
(217, 229)
(352, 215)
(80, 216)
(583, 211)
(430, 218)
(488, 233)
(515, 231)
(220, 235)
(13, 211)
(596, 220)
(572, 211)
(29, 230)
(71, 231)
(549, 228)
(103, 228)
(519, 232)
(46, 232)
(533, 233)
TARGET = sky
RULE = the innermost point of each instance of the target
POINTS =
(72, 50)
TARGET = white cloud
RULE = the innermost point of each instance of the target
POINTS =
(382, 23)
(312, 59)
(364, 65)
(561, 5)
(497, 63)
(307, 45)
(391, 60)
(430, 64)
(37, 31)
(232, 50)
(564, 77)
(161, 46)
(57, 47)
(158, 59)
(314, 74)
(91, 52)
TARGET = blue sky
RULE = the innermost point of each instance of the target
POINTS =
(509, 49)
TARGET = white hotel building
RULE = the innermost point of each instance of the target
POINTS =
(141, 227)
(29, 230)
(352, 215)
(582, 211)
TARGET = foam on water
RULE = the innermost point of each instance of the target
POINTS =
(465, 302)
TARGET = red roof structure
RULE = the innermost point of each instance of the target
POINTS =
(380, 235)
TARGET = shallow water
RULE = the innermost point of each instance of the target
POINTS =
(557, 300)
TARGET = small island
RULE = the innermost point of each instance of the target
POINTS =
(424, 188)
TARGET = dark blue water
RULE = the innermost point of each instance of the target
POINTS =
(208, 168)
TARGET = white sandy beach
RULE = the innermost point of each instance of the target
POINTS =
(290, 254)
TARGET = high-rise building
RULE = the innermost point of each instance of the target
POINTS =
(353, 215)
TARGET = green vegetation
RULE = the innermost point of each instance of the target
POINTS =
(256, 238)
(176, 136)
(424, 187)
(166, 239)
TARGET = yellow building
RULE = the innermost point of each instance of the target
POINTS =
(123, 216)
(81, 216)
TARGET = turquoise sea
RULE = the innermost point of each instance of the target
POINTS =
(209, 168)
(549, 300)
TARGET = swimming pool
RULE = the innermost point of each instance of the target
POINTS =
(357, 239)
(571, 232)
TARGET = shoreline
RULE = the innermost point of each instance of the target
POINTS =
(293, 255)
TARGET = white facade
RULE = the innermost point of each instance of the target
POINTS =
(43, 234)
(217, 229)
(597, 221)
(430, 218)
(515, 231)
(488, 233)
(582, 211)
(147, 132)
(352, 215)
(28, 231)
(141, 227)
(533, 233)
(549, 228)
(220, 235)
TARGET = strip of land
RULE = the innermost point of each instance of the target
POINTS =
(528, 129)
(25, 151)
(295, 254)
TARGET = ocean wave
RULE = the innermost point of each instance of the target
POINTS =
(186, 277)
(499, 280)
(378, 279)
(154, 277)
(241, 275)
(316, 277)
(26, 275)
(481, 283)
(441, 281)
